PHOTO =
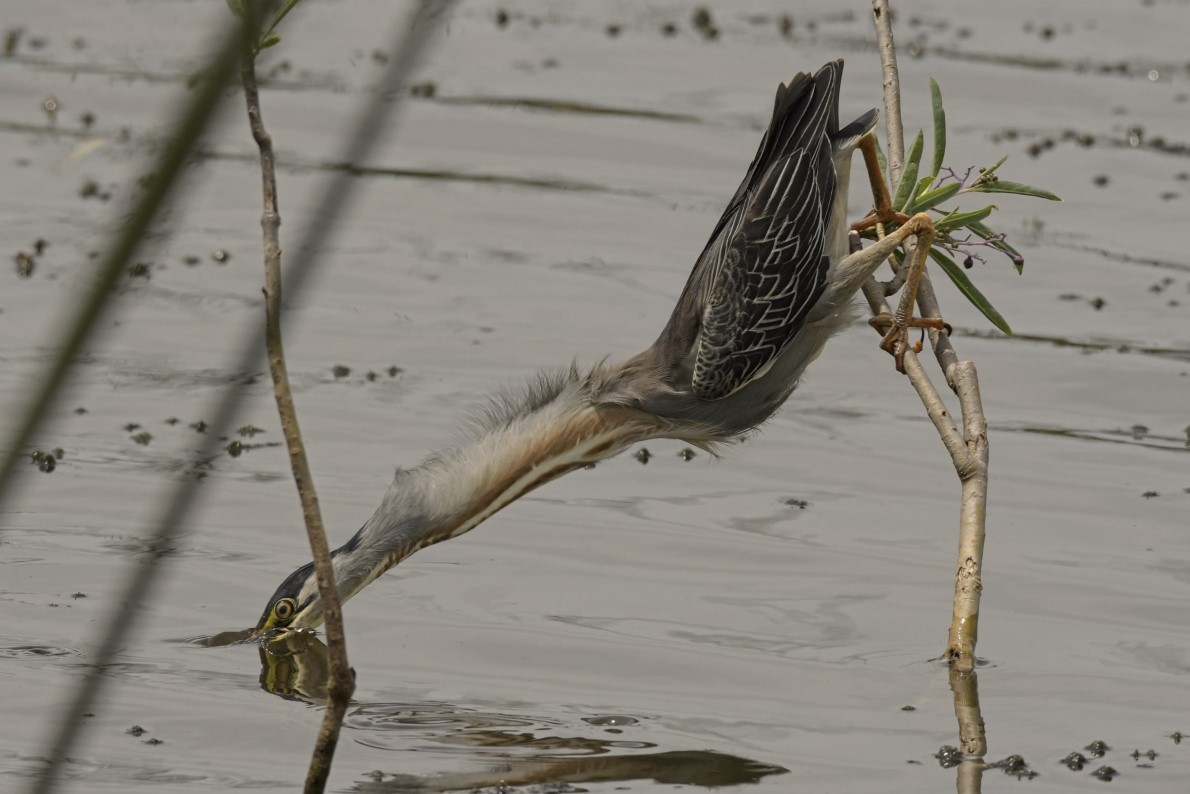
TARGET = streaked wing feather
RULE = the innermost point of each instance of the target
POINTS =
(766, 264)
(770, 275)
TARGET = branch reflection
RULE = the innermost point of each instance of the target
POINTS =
(294, 666)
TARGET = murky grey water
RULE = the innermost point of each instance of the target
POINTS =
(627, 627)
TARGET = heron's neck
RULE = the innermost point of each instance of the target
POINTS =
(523, 443)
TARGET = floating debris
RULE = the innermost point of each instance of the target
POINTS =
(340, 371)
(702, 22)
(394, 371)
(235, 449)
(135, 730)
(143, 438)
(687, 453)
(1097, 748)
(948, 756)
(425, 90)
(248, 431)
(801, 504)
(1075, 762)
(221, 256)
(199, 427)
(1015, 765)
(1106, 773)
(24, 264)
(44, 461)
(643, 455)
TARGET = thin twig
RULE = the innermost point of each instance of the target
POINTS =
(970, 458)
(341, 678)
(892, 89)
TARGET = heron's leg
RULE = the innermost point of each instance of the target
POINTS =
(895, 327)
(884, 212)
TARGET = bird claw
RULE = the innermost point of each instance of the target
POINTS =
(876, 216)
(896, 334)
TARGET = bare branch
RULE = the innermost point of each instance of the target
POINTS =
(968, 451)
(341, 683)
(892, 89)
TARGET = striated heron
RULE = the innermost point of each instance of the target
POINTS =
(773, 284)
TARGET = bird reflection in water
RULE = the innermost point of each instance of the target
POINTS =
(293, 665)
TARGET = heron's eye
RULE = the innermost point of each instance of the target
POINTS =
(283, 610)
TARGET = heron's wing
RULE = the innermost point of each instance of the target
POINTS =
(765, 266)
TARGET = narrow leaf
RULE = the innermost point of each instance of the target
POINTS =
(909, 173)
(987, 172)
(939, 127)
(927, 201)
(280, 16)
(237, 7)
(1001, 186)
(957, 220)
(969, 291)
(271, 40)
(986, 233)
(923, 184)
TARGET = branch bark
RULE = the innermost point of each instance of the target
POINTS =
(341, 678)
(968, 449)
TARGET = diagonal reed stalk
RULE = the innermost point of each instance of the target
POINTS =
(410, 42)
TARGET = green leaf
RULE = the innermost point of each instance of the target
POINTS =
(957, 220)
(939, 127)
(1001, 186)
(277, 20)
(927, 201)
(986, 233)
(969, 291)
(271, 40)
(922, 185)
(908, 173)
(237, 7)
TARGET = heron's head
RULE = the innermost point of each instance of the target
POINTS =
(295, 605)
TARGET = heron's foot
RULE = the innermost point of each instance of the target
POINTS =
(896, 334)
(876, 216)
